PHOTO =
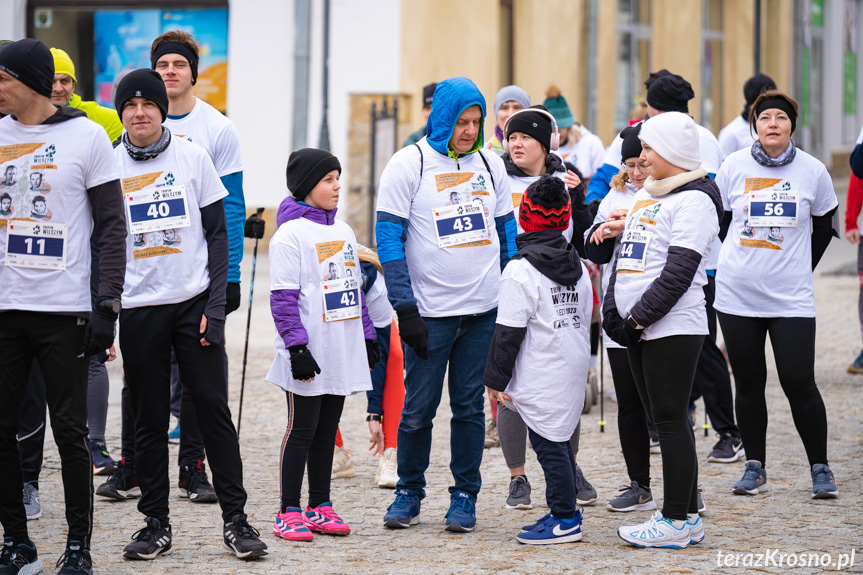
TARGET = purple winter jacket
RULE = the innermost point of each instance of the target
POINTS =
(283, 303)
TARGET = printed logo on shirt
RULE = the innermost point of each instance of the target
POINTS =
(45, 160)
(155, 244)
(24, 186)
(648, 216)
(169, 179)
(462, 188)
(336, 260)
(565, 301)
(136, 183)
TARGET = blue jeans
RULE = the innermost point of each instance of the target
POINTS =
(463, 343)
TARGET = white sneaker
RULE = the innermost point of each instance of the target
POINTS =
(657, 531)
(696, 529)
(388, 469)
(343, 463)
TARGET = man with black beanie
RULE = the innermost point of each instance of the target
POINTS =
(175, 299)
(45, 301)
(737, 135)
(428, 95)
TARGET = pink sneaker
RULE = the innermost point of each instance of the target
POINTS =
(290, 525)
(324, 520)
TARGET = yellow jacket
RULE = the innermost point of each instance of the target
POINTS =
(105, 117)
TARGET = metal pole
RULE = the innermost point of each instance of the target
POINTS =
(248, 326)
(324, 141)
(372, 177)
(601, 367)
(302, 13)
(757, 36)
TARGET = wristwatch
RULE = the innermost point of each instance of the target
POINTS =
(633, 324)
(373, 417)
(111, 304)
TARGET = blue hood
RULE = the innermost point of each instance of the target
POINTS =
(451, 98)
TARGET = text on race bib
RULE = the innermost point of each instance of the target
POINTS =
(341, 299)
(157, 210)
(36, 245)
(459, 224)
(772, 209)
(633, 251)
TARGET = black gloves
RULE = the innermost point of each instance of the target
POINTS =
(413, 331)
(619, 329)
(99, 333)
(215, 332)
(303, 365)
(232, 293)
(373, 352)
(254, 227)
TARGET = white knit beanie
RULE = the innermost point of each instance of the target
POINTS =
(674, 136)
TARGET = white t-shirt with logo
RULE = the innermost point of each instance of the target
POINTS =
(587, 154)
(517, 187)
(303, 255)
(735, 136)
(449, 281)
(71, 157)
(767, 271)
(684, 219)
(550, 373)
(171, 265)
(613, 201)
(211, 130)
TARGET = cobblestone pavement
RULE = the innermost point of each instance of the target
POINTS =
(784, 518)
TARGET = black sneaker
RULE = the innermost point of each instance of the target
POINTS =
(243, 540)
(195, 485)
(728, 449)
(122, 485)
(150, 542)
(75, 560)
(19, 559)
(103, 463)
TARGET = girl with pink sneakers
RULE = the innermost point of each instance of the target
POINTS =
(322, 326)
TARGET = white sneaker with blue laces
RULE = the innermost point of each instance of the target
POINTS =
(658, 531)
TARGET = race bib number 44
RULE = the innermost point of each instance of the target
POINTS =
(633, 250)
(773, 209)
(157, 210)
(36, 245)
(459, 224)
(341, 299)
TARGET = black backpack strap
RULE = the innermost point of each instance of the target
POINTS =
(422, 165)
(488, 169)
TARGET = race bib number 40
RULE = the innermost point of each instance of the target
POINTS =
(633, 250)
(157, 210)
(341, 299)
(36, 245)
(772, 209)
(459, 224)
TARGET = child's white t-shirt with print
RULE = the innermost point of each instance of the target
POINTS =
(171, 265)
(303, 255)
(550, 373)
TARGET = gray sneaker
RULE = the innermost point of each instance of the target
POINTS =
(632, 498)
(586, 493)
(32, 505)
(823, 484)
(753, 482)
(519, 494)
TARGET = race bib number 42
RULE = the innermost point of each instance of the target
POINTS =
(341, 299)
(157, 210)
(633, 250)
(772, 209)
(36, 245)
(459, 224)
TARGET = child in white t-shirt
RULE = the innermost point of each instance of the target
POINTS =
(322, 327)
(540, 353)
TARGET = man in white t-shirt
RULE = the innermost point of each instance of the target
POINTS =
(442, 264)
(737, 134)
(46, 309)
(175, 299)
(175, 56)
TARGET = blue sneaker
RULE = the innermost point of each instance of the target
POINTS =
(404, 511)
(539, 522)
(823, 484)
(461, 516)
(754, 480)
(553, 531)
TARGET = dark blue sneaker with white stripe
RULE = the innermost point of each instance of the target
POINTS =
(404, 511)
(553, 530)
(823, 483)
(150, 542)
(461, 516)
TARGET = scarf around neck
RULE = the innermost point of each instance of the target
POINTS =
(147, 152)
(658, 188)
(785, 158)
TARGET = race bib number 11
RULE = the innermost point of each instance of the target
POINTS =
(36, 245)
(341, 299)
(157, 210)
(459, 224)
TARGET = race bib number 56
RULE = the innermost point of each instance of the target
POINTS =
(773, 209)
(36, 245)
(157, 210)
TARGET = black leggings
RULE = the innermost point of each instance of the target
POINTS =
(631, 419)
(664, 370)
(793, 341)
(310, 437)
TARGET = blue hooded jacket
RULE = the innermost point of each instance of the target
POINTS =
(451, 98)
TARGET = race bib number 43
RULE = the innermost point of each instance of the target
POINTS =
(157, 210)
(341, 299)
(36, 245)
(459, 224)
(633, 250)
(772, 209)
